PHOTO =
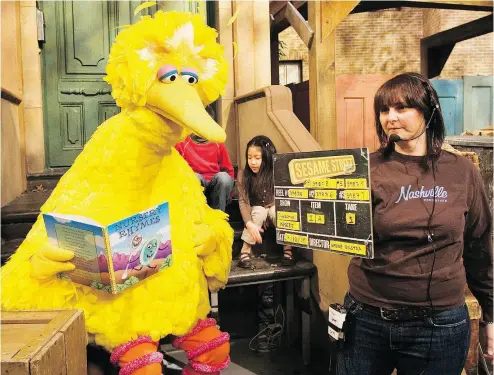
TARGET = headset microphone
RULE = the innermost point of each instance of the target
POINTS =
(393, 138)
(396, 138)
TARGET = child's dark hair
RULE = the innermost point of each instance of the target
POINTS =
(261, 184)
(415, 91)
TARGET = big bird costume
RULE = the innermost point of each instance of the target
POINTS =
(163, 71)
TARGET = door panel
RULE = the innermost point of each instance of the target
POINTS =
(450, 94)
(478, 102)
(72, 126)
(86, 38)
(355, 110)
(76, 99)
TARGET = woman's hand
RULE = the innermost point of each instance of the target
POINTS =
(489, 336)
(254, 231)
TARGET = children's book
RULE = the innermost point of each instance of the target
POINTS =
(114, 257)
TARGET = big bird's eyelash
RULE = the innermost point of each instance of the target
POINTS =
(168, 74)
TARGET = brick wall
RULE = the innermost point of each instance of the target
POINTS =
(432, 21)
(388, 42)
(381, 42)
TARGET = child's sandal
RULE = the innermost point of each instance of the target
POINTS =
(245, 260)
(288, 259)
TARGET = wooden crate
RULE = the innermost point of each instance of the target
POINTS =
(50, 342)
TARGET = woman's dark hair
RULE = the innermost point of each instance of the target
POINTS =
(256, 184)
(412, 90)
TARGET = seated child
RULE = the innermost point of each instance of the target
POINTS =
(212, 165)
(256, 197)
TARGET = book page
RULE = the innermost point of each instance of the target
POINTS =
(87, 243)
(140, 245)
(78, 218)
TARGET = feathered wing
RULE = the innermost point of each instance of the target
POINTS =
(216, 265)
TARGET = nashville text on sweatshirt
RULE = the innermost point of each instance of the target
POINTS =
(440, 193)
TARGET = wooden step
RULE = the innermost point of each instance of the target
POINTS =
(9, 248)
(46, 180)
(19, 215)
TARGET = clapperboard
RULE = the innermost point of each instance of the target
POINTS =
(323, 201)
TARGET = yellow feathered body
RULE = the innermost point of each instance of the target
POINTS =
(130, 164)
(107, 184)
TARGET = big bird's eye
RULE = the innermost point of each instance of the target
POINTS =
(167, 74)
(190, 77)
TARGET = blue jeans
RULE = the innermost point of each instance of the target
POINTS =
(217, 190)
(435, 345)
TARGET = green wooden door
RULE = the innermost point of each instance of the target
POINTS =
(76, 99)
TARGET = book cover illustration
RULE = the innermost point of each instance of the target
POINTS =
(140, 246)
(118, 256)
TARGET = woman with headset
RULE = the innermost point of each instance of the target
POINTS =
(432, 235)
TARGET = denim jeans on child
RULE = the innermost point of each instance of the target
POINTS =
(217, 190)
(436, 345)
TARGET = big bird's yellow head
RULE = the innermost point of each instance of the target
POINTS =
(172, 65)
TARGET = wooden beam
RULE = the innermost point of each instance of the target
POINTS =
(277, 11)
(300, 25)
(324, 17)
(435, 49)
(460, 33)
(11, 97)
(432, 60)
(261, 30)
(225, 107)
(335, 11)
(276, 6)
